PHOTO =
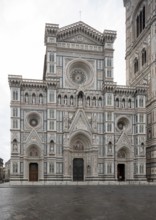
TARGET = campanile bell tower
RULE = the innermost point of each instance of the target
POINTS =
(141, 64)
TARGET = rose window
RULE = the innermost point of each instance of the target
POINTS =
(33, 119)
(79, 73)
(78, 76)
(33, 122)
(123, 123)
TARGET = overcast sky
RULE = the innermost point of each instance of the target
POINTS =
(22, 50)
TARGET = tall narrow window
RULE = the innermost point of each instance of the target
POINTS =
(141, 118)
(51, 68)
(109, 99)
(109, 127)
(21, 167)
(109, 62)
(15, 167)
(143, 56)
(141, 168)
(109, 73)
(136, 65)
(140, 21)
(15, 123)
(59, 168)
(109, 168)
(143, 14)
(141, 102)
(117, 102)
(94, 101)
(15, 95)
(59, 61)
(71, 100)
(109, 116)
(100, 168)
(51, 113)
(51, 57)
(123, 103)
(45, 167)
(15, 112)
(51, 167)
(137, 25)
(51, 125)
(51, 96)
(100, 64)
(141, 129)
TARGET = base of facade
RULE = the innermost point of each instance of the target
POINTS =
(79, 183)
(103, 180)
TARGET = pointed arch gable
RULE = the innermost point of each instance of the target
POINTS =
(80, 123)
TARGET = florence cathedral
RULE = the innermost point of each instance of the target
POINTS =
(76, 123)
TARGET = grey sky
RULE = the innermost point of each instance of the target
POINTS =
(22, 48)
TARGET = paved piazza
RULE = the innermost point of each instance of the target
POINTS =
(78, 202)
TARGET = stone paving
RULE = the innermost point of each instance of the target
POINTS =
(122, 202)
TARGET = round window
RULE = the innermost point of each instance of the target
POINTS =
(33, 122)
(33, 119)
(123, 123)
(79, 73)
(120, 125)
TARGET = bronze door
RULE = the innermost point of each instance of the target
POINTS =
(78, 168)
(33, 172)
(121, 172)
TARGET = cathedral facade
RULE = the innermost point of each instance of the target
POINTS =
(77, 124)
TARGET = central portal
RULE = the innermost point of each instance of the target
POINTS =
(33, 172)
(121, 172)
(78, 169)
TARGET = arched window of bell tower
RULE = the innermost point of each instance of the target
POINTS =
(143, 53)
(140, 20)
(136, 65)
